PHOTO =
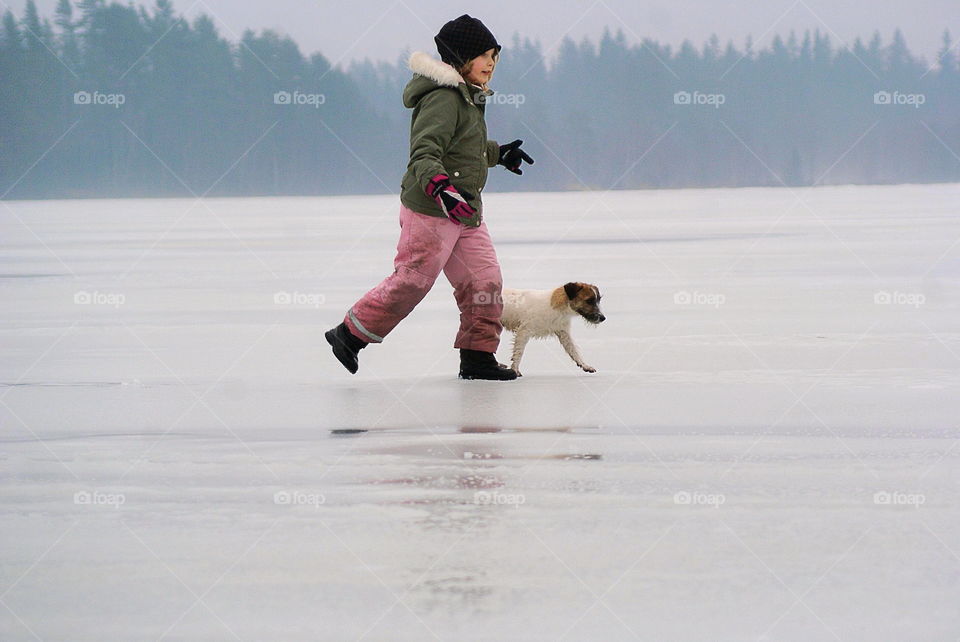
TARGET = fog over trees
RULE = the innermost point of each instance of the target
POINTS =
(113, 100)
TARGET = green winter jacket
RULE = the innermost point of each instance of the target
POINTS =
(448, 135)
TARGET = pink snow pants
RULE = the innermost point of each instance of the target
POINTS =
(427, 246)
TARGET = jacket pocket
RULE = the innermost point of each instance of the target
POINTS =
(466, 181)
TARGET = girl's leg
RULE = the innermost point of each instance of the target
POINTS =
(474, 273)
(424, 247)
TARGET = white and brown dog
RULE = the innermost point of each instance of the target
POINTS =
(541, 313)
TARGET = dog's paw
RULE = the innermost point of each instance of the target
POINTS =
(519, 374)
(588, 368)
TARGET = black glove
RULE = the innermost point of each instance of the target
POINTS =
(511, 156)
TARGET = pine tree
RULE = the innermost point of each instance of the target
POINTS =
(806, 49)
(33, 30)
(947, 57)
(897, 54)
(12, 40)
(64, 13)
(88, 8)
(69, 46)
(874, 53)
(822, 51)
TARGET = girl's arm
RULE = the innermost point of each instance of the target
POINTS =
(432, 129)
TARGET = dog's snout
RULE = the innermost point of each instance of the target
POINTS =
(602, 318)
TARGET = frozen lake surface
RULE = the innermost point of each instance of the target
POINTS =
(767, 451)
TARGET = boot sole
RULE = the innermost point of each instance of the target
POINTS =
(476, 378)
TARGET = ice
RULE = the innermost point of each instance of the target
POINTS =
(767, 451)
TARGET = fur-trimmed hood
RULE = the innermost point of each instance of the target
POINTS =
(436, 70)
(431, 74)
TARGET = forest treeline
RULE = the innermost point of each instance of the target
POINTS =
(115, 100)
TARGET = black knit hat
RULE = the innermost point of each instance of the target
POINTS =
(463, 39)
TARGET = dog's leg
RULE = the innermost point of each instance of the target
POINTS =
(519, 343)
(567, 342)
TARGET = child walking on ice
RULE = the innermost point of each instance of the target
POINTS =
(441, 212)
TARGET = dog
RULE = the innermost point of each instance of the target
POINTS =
(540, 313)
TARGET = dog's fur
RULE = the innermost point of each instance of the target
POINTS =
(540, 313)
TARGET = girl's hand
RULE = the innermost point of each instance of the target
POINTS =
(511, 156)
(453, 203)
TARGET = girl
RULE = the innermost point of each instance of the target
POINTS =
(441, 213)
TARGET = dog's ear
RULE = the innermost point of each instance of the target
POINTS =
(571, 289)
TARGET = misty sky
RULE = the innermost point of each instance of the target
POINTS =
(383, 28)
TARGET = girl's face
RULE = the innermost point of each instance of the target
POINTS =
(479, 71)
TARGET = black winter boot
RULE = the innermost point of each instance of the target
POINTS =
(483, 365)
(345, 346)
